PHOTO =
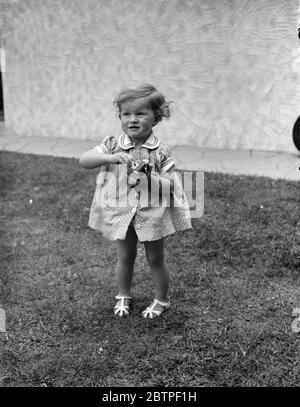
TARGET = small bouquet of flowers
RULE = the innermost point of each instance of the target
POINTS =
(135, 169)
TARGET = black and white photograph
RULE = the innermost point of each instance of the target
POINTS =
(150, 202)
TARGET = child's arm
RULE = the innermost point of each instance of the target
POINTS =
(93, 159)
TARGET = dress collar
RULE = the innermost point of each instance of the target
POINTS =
(126, 143)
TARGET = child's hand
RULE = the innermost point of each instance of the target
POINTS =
(134, 178)
(120, 158)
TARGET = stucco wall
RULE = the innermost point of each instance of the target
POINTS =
(226, 65)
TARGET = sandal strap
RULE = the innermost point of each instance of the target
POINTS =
(150, 311)
(163, 304)
(122, 309)
(120, 297)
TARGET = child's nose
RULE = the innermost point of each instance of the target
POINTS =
(132, 118)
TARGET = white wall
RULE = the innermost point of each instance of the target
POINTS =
(226, 64)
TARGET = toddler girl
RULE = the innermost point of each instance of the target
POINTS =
(121, 208)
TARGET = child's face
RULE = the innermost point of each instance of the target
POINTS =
(137, 119)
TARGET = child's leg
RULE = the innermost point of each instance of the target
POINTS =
(125, 265)
(160, 274)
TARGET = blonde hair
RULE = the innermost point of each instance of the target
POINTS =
(157, 101)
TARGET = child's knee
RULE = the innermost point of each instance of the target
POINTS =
(155, 261)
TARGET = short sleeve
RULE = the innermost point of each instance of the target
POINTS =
(166, 161)
(107, 146)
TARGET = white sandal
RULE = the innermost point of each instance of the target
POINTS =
(122, 310)
(151, 313)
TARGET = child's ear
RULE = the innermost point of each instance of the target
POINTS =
(156, 121)
(157, 118)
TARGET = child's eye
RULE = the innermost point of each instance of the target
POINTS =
(141, 114)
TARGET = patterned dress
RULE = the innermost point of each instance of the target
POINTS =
(116, 205)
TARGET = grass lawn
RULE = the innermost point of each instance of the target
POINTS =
(234, 284)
